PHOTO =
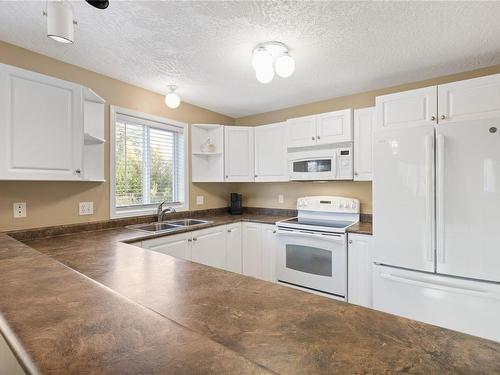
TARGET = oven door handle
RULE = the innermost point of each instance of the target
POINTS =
(323, 236)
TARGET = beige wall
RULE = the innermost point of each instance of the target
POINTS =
(266, 194)
(53, 203)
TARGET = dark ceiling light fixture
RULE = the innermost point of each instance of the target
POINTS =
(99, 4)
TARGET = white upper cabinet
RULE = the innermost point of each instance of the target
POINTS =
(41, 126)
(239, 153)
(207, 153)
(471, 99)
(364, 124)
(334, 127)
(406, 109)
(270, 153)
(325, 128)
(301, 131)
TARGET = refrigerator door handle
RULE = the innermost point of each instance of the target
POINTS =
(429, 169)
(440, 199)
(437, 285)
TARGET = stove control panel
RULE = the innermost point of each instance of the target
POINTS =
(328, 204)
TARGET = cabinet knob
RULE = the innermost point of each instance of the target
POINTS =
(195, 239)
(318, 137)
(78, 171)
(227, 176)
(355, 173)
(312, 138)
(255, 176)
(433, 118)
(274, 231)
(229, 231)
(350, 241)
(443, 117)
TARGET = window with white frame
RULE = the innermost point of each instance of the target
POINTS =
(148, 163)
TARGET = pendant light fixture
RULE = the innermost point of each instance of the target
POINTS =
(172, 100)
(270, 57)
(60, 21)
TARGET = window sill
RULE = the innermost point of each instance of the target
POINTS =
(119, 214)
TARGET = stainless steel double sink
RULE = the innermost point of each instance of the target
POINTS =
(167, 226)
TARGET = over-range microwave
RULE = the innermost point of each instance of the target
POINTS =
(332, 163)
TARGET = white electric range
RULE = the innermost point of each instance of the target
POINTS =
(312, 247)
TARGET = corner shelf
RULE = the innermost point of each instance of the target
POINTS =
(92, 140)
(207, 153)
(207, 166)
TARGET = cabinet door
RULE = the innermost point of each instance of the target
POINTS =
(269, 252)
(270, 153)
(359, 261)
(301, 131)
(334, 127)
(178, 245)
(364, 122)
(233, 248)
(209, 247)
(252, 250)
(239, 153)
(41, 126)
(408, 108)
(472, 99)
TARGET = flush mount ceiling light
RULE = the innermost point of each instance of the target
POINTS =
(99, 4)
(60, 21)
(269, 57)
(172, 100)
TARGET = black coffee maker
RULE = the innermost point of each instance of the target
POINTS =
(235, 204)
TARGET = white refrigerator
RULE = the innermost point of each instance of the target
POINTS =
(436, 197)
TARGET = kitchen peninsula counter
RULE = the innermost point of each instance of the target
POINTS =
(91, 302)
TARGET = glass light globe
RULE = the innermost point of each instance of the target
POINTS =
(265, 75)
(262, 60)
(284, 66)
(172, 100)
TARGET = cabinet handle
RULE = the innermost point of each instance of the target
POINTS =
(195, 239)
(350, 241)
(227, 176)
(355, 173)
(443, 117)
(255, 176)
(78, 171)
(190, 240)
(313, 138)
(229, 231)
(274, 231)
(318, 137)
(433, 118)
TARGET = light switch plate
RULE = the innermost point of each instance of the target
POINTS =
(281, 198)
(20, 209)
(86, 208)
(200, 199)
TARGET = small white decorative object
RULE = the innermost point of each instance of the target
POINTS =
(208, 146)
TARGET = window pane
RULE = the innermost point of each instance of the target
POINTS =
(161, 166)
(149, 163)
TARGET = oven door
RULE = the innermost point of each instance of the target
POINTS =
(313, 260)
(317, 168)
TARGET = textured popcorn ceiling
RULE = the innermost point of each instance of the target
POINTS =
(205, 47)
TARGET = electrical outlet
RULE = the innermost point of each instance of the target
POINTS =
(281, 198)
(86, 208)
(200, 199)
(20, 209)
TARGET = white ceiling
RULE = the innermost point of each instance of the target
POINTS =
(205, 48)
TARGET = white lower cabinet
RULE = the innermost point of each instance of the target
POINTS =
(177, 245)
(259, 249)
(209, 247)
(247, 248)
(233, 248)
(359, 270)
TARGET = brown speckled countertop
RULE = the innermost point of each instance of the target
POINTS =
(117, 308)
